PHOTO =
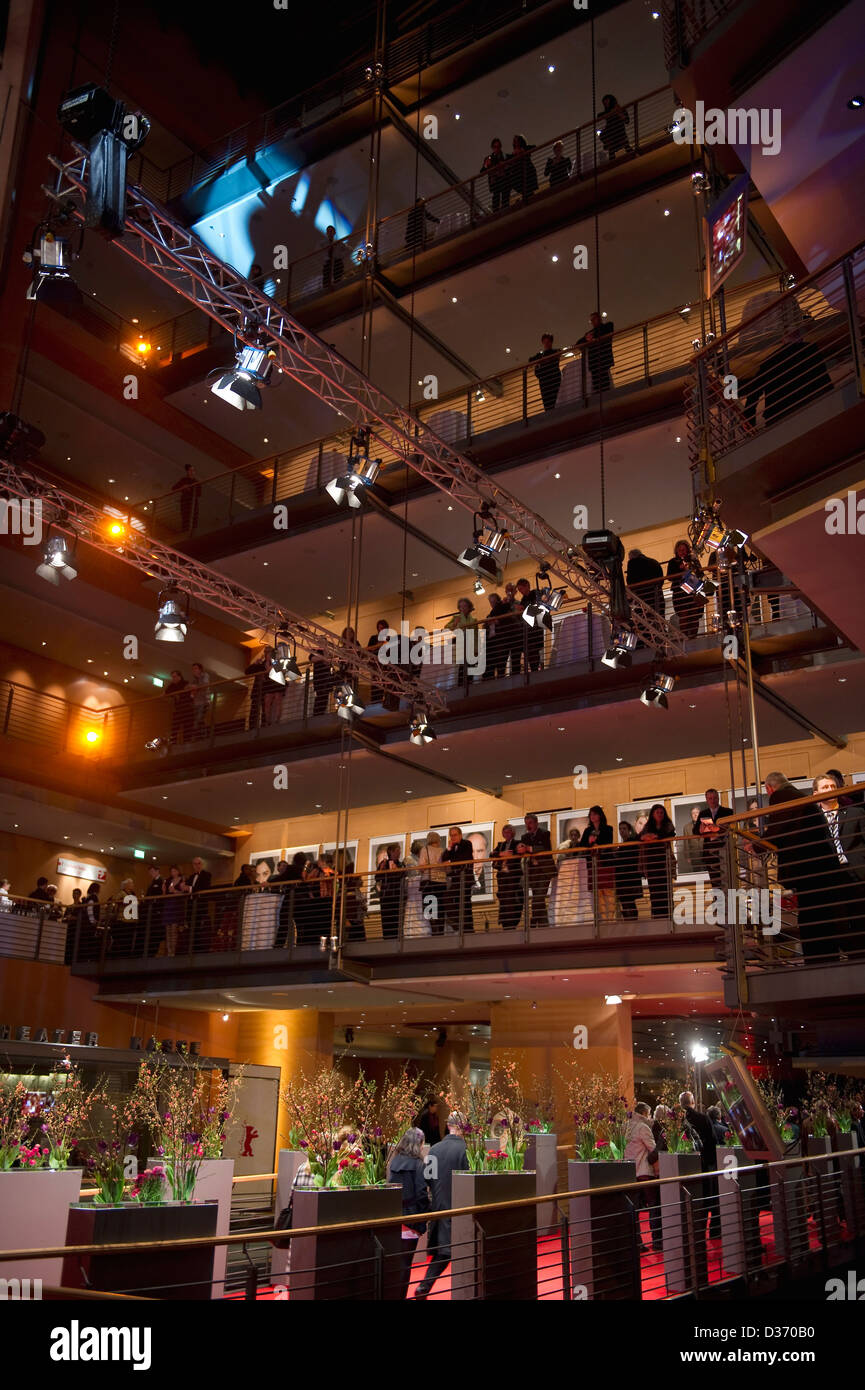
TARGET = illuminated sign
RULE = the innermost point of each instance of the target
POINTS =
(73, 869)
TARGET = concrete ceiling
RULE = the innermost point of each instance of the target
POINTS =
(604, 738)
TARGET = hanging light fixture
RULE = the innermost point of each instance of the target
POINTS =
(489, 541)
(348, 489)
(422, 731)
(52, 282)
(57, 560)
(173, 616)
(697, 584)
(655, 695)
(543, 602)
(283, 662)
(239, 386)
(622, 643)
(347, 702)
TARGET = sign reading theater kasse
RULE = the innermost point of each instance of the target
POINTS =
(73, 869)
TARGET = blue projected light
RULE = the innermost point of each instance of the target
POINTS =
(327, 216)
(299, 200)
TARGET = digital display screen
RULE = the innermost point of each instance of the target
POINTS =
(743, 1108)
(726, 228)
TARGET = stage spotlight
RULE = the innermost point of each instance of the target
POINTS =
(656, 694)
(725, 542)
(697, 584)
(348, 702)
(56, 561)
(479, 588)
(283, 662)
(173, 616)
(239, 385)
(543, 602)
(350, 487)
(488, 543)
(112, 133)
(422, 731)
(622, 644)
(699, 182)
(52, 282)
(607, 550)
(157, 745)
(92, 737)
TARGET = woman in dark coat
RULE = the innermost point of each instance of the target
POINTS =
(407, 1168)
(613, 135)
(601, 865)
(522, 176)
(657, 857)
(629, 880)
(494, 168)
(686, 607)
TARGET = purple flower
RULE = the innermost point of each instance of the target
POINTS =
(190, 1138)
(336, 1146)
(132, 1140)
(224, 1115)
(102, 1146)
(503, 1124)
(378, 1131)
(303, 1144)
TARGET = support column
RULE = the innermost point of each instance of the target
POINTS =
(451, 1070)
(293, 1039)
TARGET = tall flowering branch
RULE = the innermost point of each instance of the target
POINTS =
(384, 1112)
(323, 1113)
(14, 1124)
(188, 1109)
(65, 1117)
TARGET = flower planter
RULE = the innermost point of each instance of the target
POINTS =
(494, 1254)
(213, 1183)
(542, 1158)
(357, 1265)
(290, 1160)
(741, 1248)
(34, 1208)
(154, 1273)
(683, 1223)
(852, 1190)
(604, 1236)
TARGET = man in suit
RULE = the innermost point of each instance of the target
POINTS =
(153, 924)
(844, 889)
(807, 862)
(705, 1131)
(390, 879)
(541, 868)
(646, 577)
(446, 1157)
(712, 834)
(599, 351)
(199, 882)
(534, 636)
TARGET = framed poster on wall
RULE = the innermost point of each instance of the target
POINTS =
(350, 848)
(310, 852)
(565, 821)
(270, 857)
(684, 813)
(635, 811)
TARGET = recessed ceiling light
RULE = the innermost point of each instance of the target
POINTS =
(551, 67)
(249, 784)
(842, 680)
(509, 775)
(561, 728)
(619, 759)
(456, 115)
(666, 212)
(557, 475)
(554, 259)
(856, 103)
(111, 480)
(453, 299)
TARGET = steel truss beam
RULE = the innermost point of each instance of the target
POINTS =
(171, 252)
(65, 512)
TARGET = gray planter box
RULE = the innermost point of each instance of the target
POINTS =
(153, 1272)
(683, 1223)
(790, 1215)
(741, 1247)
(825, 1194)
(494, 1254)
(356, 1265)
(604, 1238)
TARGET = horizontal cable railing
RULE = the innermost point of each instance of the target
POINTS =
(345, 88)
(249, 707)
(800, 348)
(594, 893)
(744, 1225)
(796, 869)
(686, 22)
(653, 350)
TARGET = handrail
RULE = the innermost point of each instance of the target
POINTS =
(245, 1237)
(667, 323)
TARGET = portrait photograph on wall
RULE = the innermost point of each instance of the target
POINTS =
(377, 847)
(310, 852)
(684, 813)
(270, 857)
(351, 850)
(634, 811)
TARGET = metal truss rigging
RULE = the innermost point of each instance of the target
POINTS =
(171, 252)
(65, 512)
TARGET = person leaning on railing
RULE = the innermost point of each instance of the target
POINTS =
(844, 886)
(598, 836)
(657, 857)
(804, 850)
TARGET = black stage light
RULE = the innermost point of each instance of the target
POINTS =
(52, 282)
(239, 385)
(543, 602)
(57, 561)
(111, 133)
(283, 662)
(349, 488)
(606, 549)
(489, 541)
(622, 643)
(173, 618)
(422, 731)
(655, 695)
(348, 702)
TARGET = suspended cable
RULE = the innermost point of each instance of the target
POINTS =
(603, 479)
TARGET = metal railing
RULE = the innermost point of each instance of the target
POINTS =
(652, 351)
(686, 22)
(800, 348)
(347, 87)
(738, 1231)
(249, 707)
(800, 890)
(608, 893)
